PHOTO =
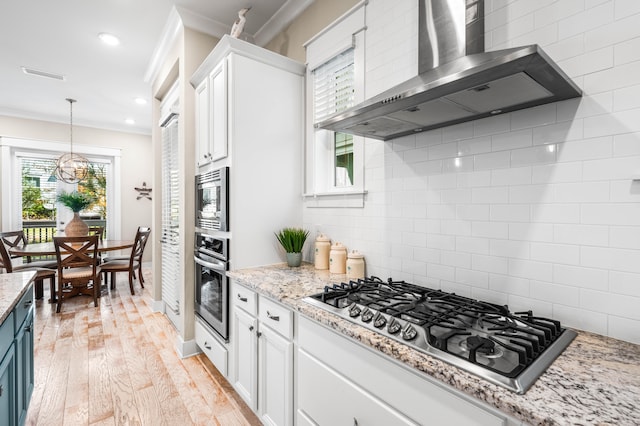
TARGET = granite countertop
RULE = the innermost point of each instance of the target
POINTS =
(595, 381)
(12, 287)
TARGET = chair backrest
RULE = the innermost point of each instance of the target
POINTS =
(13, 239)
(76, 252)
(142, 235)
(5, 259)
(97, 230)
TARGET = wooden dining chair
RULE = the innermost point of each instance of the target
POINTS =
(97, 230)
(78, 269)
(129, 264)
(17, 239)
(42, 274)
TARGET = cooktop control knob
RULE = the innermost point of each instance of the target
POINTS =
(379, 320)
(394, 326)
(409, 332)
(367, 315)
(354, 310)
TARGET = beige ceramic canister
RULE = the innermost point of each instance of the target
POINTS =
(355, 265)
(323, 246)
(338, 259)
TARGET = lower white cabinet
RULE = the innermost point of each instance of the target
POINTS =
(262, 371)
(340, 382)
(211, 346)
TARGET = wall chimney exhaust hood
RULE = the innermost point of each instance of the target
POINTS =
(457, 80)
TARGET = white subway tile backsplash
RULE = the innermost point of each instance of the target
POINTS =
(556, 293)
(494, 160)
(580, 277)
(588, 235)
(512, 176)
(490, 195)
(555, 253)
(531, 232)
(624, 283)
(611, 214)
(511, 140)
(560, 172)
(510, 213)
(509, 284)
(625, 237)
(472, 278)
(624, 328)
(535, 155)
(498, 230)
(535, 208)
(592, 192)
(493, 264)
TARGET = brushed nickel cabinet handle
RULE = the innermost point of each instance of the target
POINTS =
(242, 299)
(206, 345)
(273, 317)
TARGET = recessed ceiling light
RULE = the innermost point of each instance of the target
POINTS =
(140, 101)
(130, 121)
(109, 39)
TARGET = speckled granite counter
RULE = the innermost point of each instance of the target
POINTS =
(595, 381)
(12, 288)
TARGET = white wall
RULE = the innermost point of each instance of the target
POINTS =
(536, 209)
(133, 147)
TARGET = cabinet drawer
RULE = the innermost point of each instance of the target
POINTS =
(23, 307)
(244, 298)
(6, 334)
(209, 345)
(276, 316)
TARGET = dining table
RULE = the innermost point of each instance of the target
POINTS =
(48, 249)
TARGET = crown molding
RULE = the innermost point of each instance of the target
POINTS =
(280, 20)
(169, 33)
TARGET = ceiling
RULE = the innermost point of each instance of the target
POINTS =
(60, 37)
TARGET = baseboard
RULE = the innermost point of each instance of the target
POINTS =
(187, 348)
(157, 306)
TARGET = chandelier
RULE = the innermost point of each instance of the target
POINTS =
(70, 167)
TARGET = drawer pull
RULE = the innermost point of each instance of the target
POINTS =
(206, 345)
(28, 303)
(355, 422)
(250, 328)
(273, 317)
(242, 299)
(1, 389)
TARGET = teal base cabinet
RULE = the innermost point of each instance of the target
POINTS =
(16, 362)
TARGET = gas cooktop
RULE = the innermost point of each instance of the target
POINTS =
(509, 349)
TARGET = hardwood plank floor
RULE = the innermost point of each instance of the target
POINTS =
(116, 365)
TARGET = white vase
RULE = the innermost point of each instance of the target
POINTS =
(76, 227)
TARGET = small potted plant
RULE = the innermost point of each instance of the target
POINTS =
(75, 201)
(292, 240)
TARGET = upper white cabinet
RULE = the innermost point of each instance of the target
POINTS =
(250, 118)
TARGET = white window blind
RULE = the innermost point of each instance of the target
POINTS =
(333, 85)
(170, 214)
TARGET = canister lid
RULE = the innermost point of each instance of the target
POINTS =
(338, 246)
(322, 237)
(355, 254)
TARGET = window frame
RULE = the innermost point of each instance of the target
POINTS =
(320, 190)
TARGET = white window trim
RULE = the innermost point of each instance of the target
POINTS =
(320, 191)
(12, 148)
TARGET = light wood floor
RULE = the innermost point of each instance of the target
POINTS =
(116, 365)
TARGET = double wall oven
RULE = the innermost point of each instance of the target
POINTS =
(211, 251)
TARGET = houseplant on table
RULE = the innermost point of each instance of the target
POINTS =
(292, 240)
(75, 201)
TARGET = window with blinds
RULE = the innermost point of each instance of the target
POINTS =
(170, 214)
(333, 85)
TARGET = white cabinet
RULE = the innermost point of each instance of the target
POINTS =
(203, 149)
(263, 356)
(373, 389)
(211, 116)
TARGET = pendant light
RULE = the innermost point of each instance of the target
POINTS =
(70, 167)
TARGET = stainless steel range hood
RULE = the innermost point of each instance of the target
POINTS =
(457, 81)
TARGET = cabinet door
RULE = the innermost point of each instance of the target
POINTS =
(349, 404)
(24, 367)
(218, 88)
(275, 372)
(245, 357)
(203, 150)
(8, 388)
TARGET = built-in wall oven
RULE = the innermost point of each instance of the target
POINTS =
(211, 283)
(212, 200)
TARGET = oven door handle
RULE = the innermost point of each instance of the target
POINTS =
(217, 264)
